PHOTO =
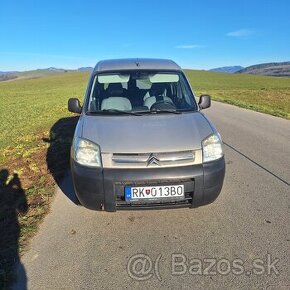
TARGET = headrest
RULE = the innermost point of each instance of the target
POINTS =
(157, 89)
(115, 89)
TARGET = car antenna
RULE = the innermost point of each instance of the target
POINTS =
(137, 62)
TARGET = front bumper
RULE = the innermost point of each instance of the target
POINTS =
(98, 188)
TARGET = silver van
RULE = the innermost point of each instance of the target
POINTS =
(141, 140)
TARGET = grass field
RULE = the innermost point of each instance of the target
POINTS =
(29, 111)
(33, 105)
(269, 95)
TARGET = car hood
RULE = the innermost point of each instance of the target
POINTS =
(146, 133)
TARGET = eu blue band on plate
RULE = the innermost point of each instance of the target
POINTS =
(127, 192)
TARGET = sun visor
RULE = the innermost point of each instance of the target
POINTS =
(113, 78)
(164, 78)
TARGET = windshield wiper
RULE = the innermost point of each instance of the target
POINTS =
(109, 111)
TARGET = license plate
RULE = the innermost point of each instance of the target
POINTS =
(154, 192)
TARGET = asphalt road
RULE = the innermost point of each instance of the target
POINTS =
(248, 225)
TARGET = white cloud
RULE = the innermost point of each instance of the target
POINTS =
(241, 33)
(189, 46)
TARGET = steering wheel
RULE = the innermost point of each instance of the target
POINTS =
(163, 105)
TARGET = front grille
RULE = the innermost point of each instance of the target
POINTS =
(151, 205)
(151, 160)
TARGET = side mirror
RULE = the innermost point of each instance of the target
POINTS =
(74, 105)
(204, 102)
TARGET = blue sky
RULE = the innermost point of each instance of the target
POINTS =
(196, 34)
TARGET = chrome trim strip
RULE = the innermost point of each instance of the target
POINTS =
(140, 160)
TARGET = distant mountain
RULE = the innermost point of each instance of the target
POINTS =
(227, 69)
(8, 75)
(87, 68)
(278, 69)
(55, 69)
(37, 73)
(8, 72)
(52, 69)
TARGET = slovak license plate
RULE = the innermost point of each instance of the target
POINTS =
(154, 192)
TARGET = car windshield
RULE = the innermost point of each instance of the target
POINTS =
(140, 91)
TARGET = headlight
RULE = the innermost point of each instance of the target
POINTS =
(86, 153)
(212, 148)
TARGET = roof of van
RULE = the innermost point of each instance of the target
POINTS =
(136, 63)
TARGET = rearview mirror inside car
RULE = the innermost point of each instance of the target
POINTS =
(74, 105)
(204, 102)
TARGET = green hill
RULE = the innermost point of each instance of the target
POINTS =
(33, 105)
(32, 74)
(265, 94)
(30, 107)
